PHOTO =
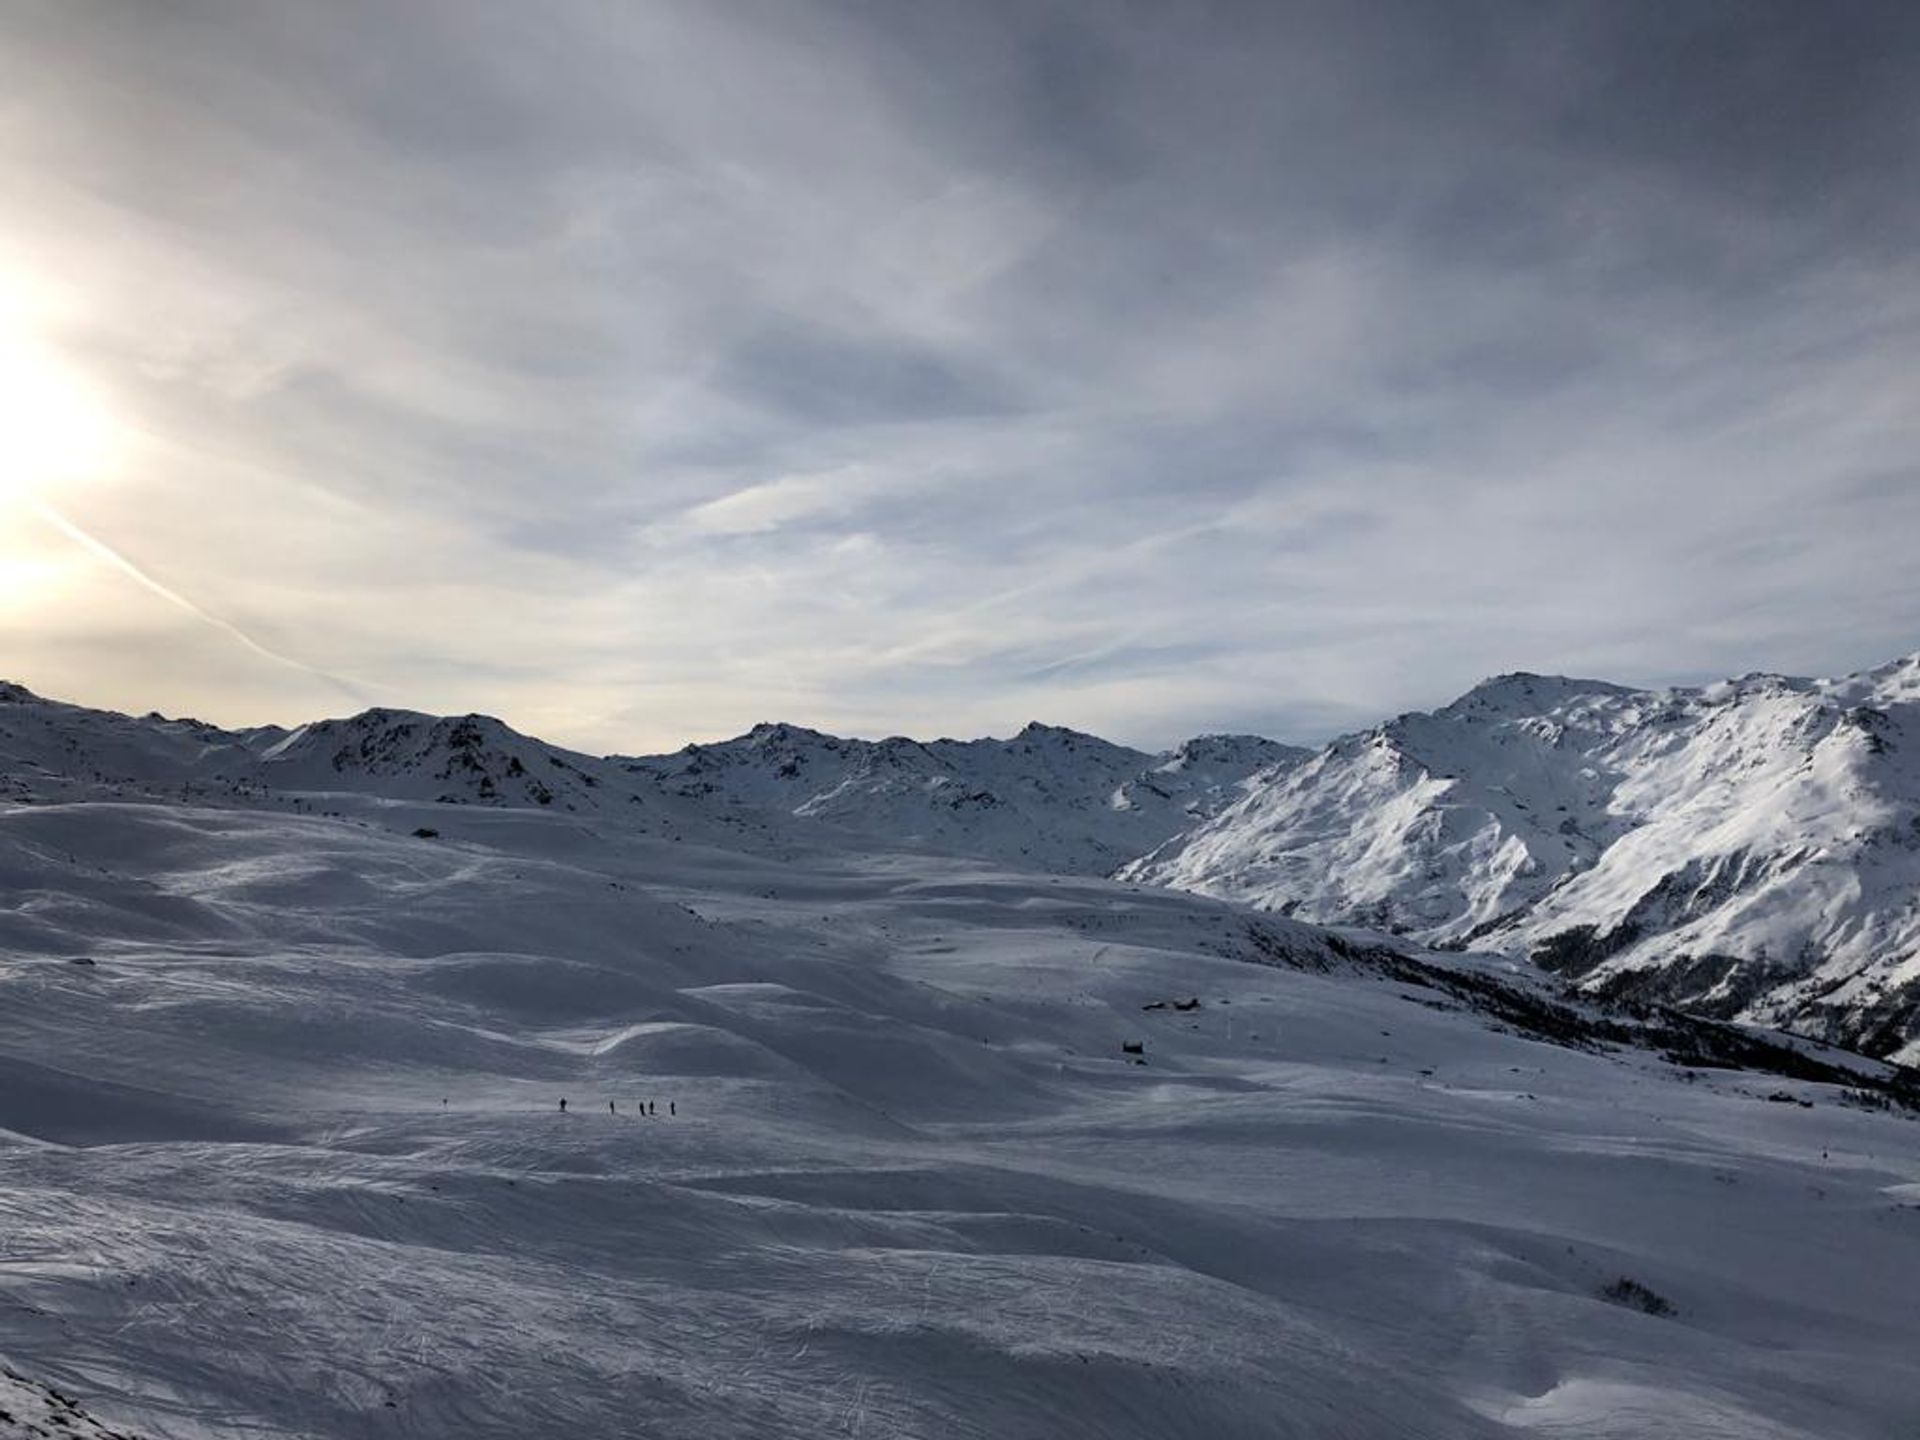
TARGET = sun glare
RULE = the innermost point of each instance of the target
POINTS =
(53, 428)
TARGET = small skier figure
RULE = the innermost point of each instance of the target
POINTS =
(671, 1111)
(651, 1108)
(563, 1104)
(610, 1109)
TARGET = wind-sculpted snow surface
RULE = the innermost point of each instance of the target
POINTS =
(282, 1154)
(1749, 849)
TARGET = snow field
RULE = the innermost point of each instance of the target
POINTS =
(914, 1186)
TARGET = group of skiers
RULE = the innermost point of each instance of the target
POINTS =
(647, 1107)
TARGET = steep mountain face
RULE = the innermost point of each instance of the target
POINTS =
(1048, 798)
(1750, 849)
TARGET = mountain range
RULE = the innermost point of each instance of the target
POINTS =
(1747, 850)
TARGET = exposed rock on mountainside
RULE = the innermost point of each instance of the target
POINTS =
(30, 1410)
(463, 759)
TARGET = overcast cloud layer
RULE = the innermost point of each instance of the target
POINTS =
(640, 371)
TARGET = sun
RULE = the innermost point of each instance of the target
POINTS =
(53, 427)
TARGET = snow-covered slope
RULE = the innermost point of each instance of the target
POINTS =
(286, 1158)
(1049, 798)
(1748, 849)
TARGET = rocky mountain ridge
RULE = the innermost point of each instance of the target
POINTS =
(1048, 798)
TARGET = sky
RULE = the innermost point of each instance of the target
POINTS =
(640, 371)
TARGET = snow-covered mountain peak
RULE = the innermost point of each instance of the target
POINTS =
(1037, 731)
(456, 758)
(1755, 685)
(382, 740)
(1521, 693)
(1751, 847)
(1895, 683)
(362, 729)
(1249, 753)
(777, 733)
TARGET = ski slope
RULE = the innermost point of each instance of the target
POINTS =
(286, 1158)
